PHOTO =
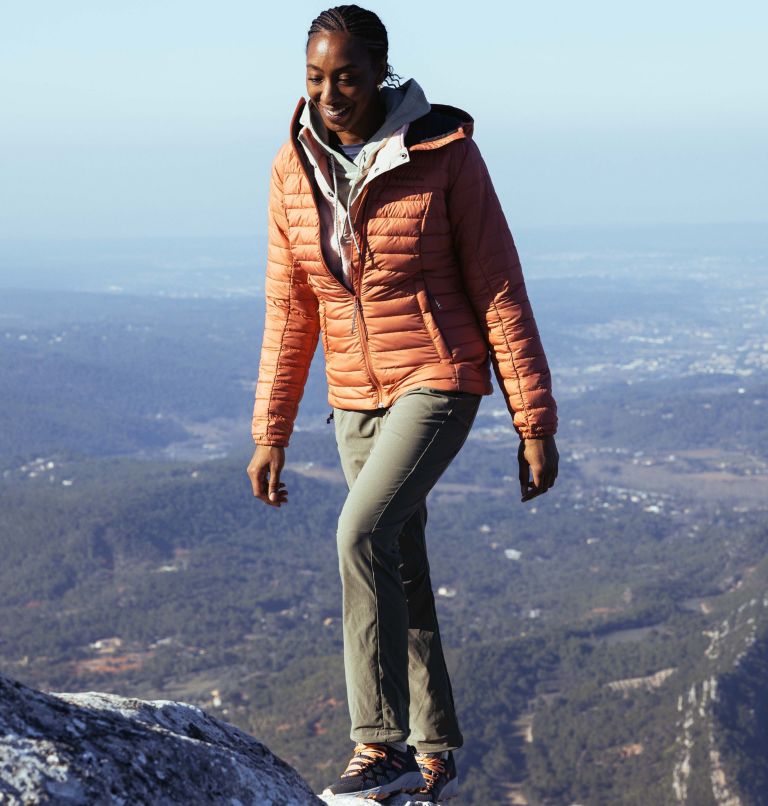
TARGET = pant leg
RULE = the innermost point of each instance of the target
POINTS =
(413, 443)
(356, 433)
(432, 714)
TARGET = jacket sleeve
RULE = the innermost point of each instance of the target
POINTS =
(493, 280)
(291, 329)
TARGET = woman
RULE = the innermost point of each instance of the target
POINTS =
(387, 240)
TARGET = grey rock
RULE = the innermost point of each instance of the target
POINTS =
(393, 800)
(94, 748)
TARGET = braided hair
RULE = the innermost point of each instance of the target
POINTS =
(360, 23)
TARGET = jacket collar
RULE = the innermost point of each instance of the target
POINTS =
(441, 125)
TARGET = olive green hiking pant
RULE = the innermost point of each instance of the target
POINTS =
(397, 682)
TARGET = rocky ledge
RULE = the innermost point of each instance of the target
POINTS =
(100, 748)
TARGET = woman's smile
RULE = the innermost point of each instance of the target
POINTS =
(336, 113)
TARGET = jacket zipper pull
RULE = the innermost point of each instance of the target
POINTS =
(329, 418)
(354, 317)
(434, 301)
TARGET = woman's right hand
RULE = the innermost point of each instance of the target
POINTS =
(537, 457)
(264, 472)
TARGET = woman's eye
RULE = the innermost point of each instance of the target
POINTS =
(314, 79)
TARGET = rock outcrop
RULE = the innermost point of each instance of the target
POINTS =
(100, 748)
(392, 800)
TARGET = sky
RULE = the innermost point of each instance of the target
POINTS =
(161, 117)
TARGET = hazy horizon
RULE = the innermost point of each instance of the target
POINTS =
(234, 265)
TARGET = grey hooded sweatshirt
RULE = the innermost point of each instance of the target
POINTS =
(341, 180)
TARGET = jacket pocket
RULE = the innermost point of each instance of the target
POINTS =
(428, 304)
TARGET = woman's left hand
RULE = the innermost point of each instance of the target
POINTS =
(538, 458)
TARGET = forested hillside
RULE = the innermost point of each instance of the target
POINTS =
(170, 580)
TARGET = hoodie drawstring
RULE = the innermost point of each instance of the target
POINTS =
(348, 217)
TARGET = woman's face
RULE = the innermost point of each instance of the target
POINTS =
(343, 83)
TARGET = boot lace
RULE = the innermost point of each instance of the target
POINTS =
(432, 767)
(365, 755)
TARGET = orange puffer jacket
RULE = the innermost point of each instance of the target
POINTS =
(438, 296)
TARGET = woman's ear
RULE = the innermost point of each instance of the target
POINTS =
(383, 73)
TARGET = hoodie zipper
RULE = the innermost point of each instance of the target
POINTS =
(357, 289)
(333, 277)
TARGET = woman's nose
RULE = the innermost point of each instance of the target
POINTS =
(328, 94)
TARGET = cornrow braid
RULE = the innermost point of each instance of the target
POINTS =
(364, 25)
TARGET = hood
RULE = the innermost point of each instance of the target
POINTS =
(440, 125)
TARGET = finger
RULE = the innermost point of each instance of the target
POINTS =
(253, 477)
(259, 479)
(524, 480)
(552, 475)
(261, 487)
(528, 490)
(547, 481)
(538, 477)
(274, 482)
(523, 472)
(532, 493)
(282, 498)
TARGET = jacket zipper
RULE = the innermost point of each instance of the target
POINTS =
(367, 355)
(358, 310)
(357, 303)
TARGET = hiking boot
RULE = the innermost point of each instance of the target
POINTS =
(441, 781)
(377, 771)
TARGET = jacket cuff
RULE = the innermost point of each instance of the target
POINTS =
(270, 443)
(537, 432)
(270, 429)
